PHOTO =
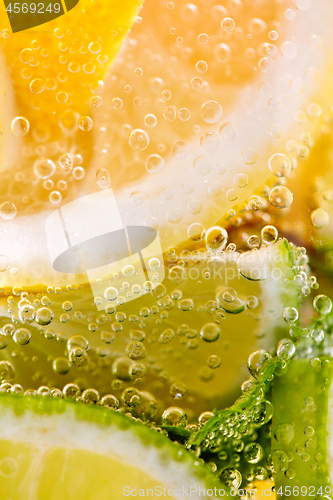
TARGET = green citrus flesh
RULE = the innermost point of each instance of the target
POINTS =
(195, 331)
(299, 429)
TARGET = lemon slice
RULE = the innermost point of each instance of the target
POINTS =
(180, 171)
(53, 448)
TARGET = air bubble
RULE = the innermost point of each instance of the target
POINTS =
(250, 156)
(280, 197)
(37, 86)
(320, 218)
(280, 165)
(85, 123)
(8, 210)
(211, 112)
(44, 168)
(154, 164)
(22, 336)
(210, 332)
(322, 304)
(102, 178)
(150, 120)
(20, 126)
(228, 24)
(269, 235)
(267, 65)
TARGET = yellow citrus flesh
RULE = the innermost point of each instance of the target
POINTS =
(70, 55)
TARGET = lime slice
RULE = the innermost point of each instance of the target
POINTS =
(188, 339)
(56, 449)
(302, 429)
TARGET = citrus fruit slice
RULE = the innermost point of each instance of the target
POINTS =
(54, 448)
(187, 339)
(177, 171)
(302, 429)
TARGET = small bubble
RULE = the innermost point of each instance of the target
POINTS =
(280, 165)
(111, 293)
(85, 123)
(284, 433)
(314, 110)
(20, 126)
(322, 304)
(202, 165)
(37, 86)
(44, 168)
(7, 210)
(55, 197)
(116, 103)
(222, 53)
(184, 114)
(269, 235)
(290, 314)
(214, 361)
(257, 362)
(264, 87)
(44, 316)
(210, 332)
(154, 164)
(180, 149)
(7, 371)
(227, 131)
(102, 178)
(195, 232)
(297, 85)
(174, 215)
(62, 97)
(203, 38)
(216, 239)
(96, 101)
(320, 218)
(95, 47)
(249, 156)
(71, 391)
(253, 453)
(135, 350)
(170, 113)
(201, 66)
(150, 120)
(228, 24)
(138, 140)
(280, 197)
(241, 180)
(289, 50)
(211, 112)
(61, 366)
(174, 416)
(66, 162)
(196, 83)
(286, 349)
(209, 141)
(22, 336)
(267, 65)
(276, 104)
